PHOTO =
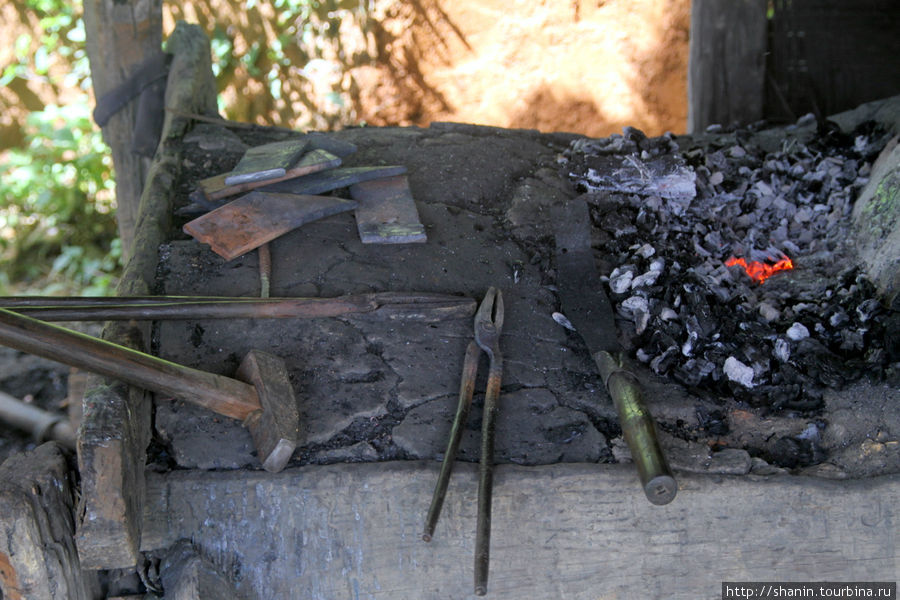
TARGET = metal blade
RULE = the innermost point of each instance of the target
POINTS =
(581, 292)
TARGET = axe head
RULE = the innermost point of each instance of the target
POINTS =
(276, 427)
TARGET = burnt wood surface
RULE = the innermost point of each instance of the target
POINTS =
(726, 71)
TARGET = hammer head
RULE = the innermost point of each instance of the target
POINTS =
(276, 428)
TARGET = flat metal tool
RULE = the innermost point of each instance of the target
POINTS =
(259, 217)
(269, 161)
(586, 305)
(488, 324)
(387, 212)
(378, 306)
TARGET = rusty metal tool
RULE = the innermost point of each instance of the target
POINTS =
(259, 217)
(588, 308)
(488, 324)
(378, 306)
(214, 188)
(261, 395)
(41, 424)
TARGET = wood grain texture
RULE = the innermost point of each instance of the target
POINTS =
(575, 531)
(726, 72)
(38, 559)
(116, 426)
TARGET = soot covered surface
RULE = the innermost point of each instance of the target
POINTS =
(741, 377)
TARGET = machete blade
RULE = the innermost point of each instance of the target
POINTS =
(581, 293)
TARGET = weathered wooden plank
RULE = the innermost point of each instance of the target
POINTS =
(827, 56)
(577, 531)
(726, 71)
(116, 425)
(38, 559)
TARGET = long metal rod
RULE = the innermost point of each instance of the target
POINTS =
(42, 425)
(466, 390)
(486, 475)
(218, 393)
(384, 305)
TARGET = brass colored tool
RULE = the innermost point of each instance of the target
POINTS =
(586, 305)
(488, 323)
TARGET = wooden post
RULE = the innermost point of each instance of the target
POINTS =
(38, 560)
(120, 34)
(726, 73)
(116, 425)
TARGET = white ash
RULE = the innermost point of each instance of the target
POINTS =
(563, 320)
(738, 372)
(671, 211)
(797, 332)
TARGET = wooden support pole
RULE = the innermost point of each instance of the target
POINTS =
(726, 72)
(116, 426)
(121, 34)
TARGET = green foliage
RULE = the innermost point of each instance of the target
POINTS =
(57, 217)
(296, 55)
(57, 207)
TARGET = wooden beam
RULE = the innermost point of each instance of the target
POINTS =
(580, 531)
(726, 70)
(38, 560)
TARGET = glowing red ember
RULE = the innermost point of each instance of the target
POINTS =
(759, 271)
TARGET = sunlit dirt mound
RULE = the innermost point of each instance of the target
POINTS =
(586, 67)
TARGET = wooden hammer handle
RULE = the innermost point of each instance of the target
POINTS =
(226, 396)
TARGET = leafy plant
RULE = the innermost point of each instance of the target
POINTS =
(57, 220)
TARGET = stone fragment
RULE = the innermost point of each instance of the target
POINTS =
(738, 372)
(782, 349)
(730, 461)
(620, 280)
(768, 312)
(797, 332)
(358, 452)
(645, 280)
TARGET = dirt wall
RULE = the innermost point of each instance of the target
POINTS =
(586, 67)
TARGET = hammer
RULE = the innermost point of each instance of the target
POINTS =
(261, 395)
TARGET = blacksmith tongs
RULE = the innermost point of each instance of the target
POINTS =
(488, 323)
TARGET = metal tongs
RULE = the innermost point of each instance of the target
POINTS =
(488, 323)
